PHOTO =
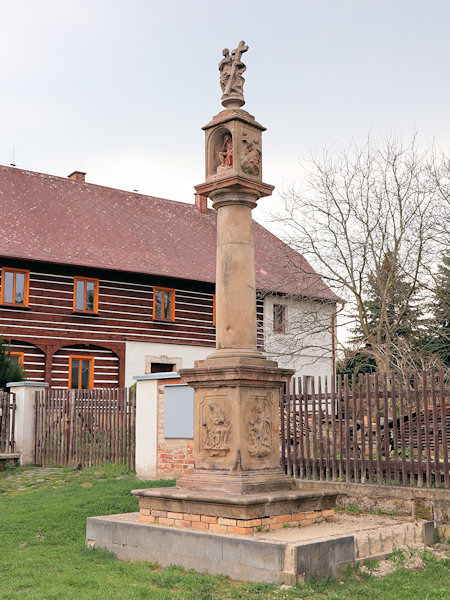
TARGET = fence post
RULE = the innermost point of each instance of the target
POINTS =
(25, 392)
(146, 426)
(70, 429)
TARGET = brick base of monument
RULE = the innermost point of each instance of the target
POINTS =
(227, 525)
(220, 512)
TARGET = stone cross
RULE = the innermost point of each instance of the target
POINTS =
(231, 69)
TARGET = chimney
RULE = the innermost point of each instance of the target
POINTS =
(77, 176)
(201, 204)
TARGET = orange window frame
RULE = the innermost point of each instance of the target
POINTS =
(84, 280)
(276, 328)
(172, 303)
(20, 355)
(26, 290)
(91, 371)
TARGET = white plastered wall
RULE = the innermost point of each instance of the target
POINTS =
(306, 345)
(182, 355)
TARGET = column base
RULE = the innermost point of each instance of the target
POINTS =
(233, 513)
(244, 482)
(239, 526)
(237, 353)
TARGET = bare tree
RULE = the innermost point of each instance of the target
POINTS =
(358, 207)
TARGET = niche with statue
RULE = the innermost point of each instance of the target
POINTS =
(233, 148)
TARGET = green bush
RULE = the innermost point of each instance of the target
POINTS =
(9, 371)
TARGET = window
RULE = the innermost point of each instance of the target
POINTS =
(164, 304)
(81, 372)
(16, 358)
(85, 294)
(161, 368)
(15, 286)
(279, 318)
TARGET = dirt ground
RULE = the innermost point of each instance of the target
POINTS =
(411, 559)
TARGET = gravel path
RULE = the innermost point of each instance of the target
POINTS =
(29, 479)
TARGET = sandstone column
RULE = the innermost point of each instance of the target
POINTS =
(236, 423)
(235, 276)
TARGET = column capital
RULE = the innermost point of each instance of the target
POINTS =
(235, 189)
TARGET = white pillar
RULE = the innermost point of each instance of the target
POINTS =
(146, 426)
(25, 392)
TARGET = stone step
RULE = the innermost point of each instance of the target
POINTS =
(380, 541)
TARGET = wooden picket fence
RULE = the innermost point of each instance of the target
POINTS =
(391, 430)
(85, 427)
(7, 422)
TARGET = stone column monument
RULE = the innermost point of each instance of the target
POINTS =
(237, 480)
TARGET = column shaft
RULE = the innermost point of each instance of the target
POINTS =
(235, 278)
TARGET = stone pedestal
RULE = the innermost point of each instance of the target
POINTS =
(236, 425)
(242, 513)
(237, 476)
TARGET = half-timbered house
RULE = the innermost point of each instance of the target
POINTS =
(100, 284)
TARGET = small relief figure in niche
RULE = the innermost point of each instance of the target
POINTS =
(216, 429)
(251, 162)
(260, 430)
(226, 154)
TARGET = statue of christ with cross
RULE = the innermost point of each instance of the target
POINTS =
(231, 69)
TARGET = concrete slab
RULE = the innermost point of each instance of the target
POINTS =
(328, 557)
(283, 556)
(235, 556)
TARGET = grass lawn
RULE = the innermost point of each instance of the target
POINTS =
(42, 551)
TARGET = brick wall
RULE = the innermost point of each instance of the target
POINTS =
(175, 456)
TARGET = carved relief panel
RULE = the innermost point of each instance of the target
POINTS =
(251, 155)
(260, 423)
(215, 425)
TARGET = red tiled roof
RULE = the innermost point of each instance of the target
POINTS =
(57, 220)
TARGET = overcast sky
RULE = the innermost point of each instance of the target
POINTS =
(121, 88)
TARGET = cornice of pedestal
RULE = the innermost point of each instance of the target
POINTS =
(255, 372)
(232, 114)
